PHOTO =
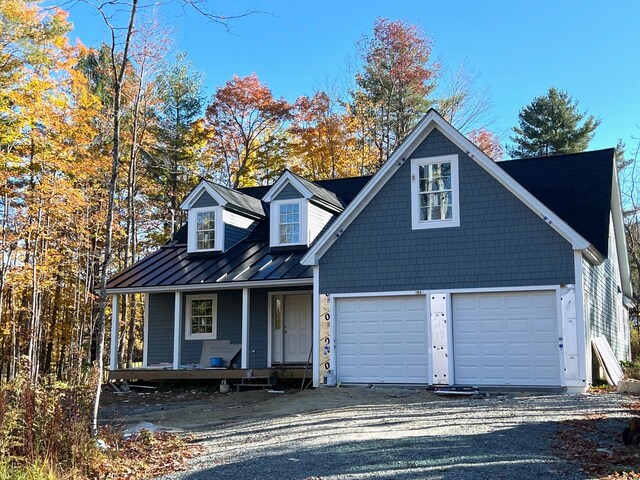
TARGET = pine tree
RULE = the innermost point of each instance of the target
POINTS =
(173, 160)
(551, 124)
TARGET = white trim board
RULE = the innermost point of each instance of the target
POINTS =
(430, 121)
(286, 178)
(315, 325)
(203, 186)
(400, 293)
(213, 286)
(620, 236)
(583, 333)
(527, 288)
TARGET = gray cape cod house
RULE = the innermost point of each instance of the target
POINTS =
(444, 268)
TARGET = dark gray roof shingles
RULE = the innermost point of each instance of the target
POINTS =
(576, 187)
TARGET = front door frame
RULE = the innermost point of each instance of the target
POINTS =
(283, 293)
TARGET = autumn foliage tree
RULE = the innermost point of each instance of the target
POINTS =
(488, 142)
(323, 139)
(394, 85)
(243, 123)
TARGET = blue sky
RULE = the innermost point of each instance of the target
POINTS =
(589, 48)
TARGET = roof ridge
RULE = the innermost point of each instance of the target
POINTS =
(573, 154)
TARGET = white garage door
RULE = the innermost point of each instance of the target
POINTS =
(381, 339)
(506, 339)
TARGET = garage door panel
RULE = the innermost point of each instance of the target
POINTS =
(389, 340)
(544, 302)
(466, 326)
(506, 339)
(494, 372)
(516, 324)
(467, 349)
(491, 326)
(520, 373)
(489, 303)
(392, 305)
(516, 302)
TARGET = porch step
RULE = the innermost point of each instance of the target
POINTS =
(247, 382)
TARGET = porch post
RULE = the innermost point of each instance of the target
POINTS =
(244, 359)
(315, 301)
(177, 313)
(115, 310)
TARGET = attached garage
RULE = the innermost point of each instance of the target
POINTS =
(382, 339)
(506, 339)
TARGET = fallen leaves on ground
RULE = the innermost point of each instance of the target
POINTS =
(144, 455)
(604, 388)
(588, 443)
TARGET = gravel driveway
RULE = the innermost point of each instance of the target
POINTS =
(384, 433)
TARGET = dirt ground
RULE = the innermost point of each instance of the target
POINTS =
(195, 410)
(363, 433)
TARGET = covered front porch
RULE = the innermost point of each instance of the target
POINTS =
(256, 331)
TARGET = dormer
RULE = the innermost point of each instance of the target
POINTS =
(298, 210)
(219, 217)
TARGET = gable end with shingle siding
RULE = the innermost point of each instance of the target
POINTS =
(205, 200)
(500, 241)
(289, 192)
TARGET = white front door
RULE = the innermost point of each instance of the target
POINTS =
(297, 327)
(291, 327)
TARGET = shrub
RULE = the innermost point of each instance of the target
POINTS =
(45, 430)
(631, 369)
(635, 343)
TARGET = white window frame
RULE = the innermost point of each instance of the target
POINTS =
(201, 336)
(454, 221)
(192, 243)
(275, 222)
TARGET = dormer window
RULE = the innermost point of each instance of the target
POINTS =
(299, 210)
(206, 229)
(289, 227)
(289, 223)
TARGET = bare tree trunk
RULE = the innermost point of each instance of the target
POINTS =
(118, 68)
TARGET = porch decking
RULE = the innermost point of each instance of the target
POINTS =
(156, 374)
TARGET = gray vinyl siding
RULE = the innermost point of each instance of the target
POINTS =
(205, 200)
(160, 328)
(289, 192)
(258, 327)
(233, 235)
(500, 241)
(229, 323)
(602, 283)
